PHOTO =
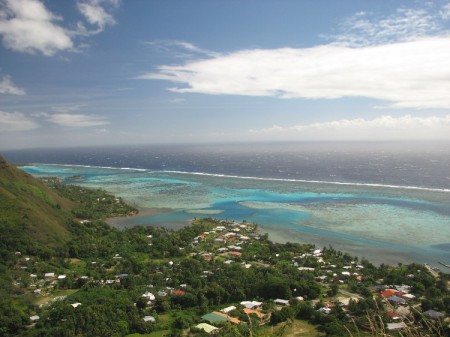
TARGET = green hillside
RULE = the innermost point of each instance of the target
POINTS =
(33, 217)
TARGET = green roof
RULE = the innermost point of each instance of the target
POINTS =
(214, 318)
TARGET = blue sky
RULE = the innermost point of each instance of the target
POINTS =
(95, 72)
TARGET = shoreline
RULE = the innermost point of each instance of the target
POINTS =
(144, 212)
(375, 255)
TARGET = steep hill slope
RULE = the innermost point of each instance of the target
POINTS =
(33, 217)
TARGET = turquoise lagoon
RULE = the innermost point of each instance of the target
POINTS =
(385, 224)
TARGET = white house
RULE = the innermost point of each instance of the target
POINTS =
(150, 319)
(149, 296)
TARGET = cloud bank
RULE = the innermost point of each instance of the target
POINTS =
(401, 60)
(407, 74)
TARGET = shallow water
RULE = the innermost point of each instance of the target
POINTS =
(386, 224)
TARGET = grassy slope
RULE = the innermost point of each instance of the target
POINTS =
(30, 211)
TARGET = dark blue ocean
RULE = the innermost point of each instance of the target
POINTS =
(425, 164)
(389, 202)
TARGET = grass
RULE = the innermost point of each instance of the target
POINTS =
(295, 328)
(301, 328)
(57, 293)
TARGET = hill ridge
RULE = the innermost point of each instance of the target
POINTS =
(33, 217)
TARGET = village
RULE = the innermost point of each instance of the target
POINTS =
(291, 282)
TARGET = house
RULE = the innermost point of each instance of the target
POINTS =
(207, 257)
(178, 292)
(396, 300)
(329, 305)
(393, 315)
(34, 318)
(49, 275)
(433, 314)
(396, 326)
(228, 309)
(324, 310)
(281, 302)
(251, 304)
(306, 269)
(258, 314)
(61, 277)
(150, 319)
(207, 328)
(388, 293)
(75, 305)
(407, 297)
(149, 296)
(403, 288)
(230, 319)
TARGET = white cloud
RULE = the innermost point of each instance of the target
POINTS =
(411, 74)
(181, 49)
(16, 121)
(96, 12)
(400, 59)
(77, 120)
(383, 127)
(7, 87)
(406, 24)
(27, 26)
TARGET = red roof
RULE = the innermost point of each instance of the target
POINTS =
(178, 292)
(393, 315)
(388, 293)
(207, 257)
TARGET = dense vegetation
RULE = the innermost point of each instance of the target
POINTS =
(101, 281)
(93, 204)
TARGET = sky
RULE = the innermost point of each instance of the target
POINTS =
(110, 72)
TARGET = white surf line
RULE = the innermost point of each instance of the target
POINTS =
(90, 166)
(309, 181)
(254, 178)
